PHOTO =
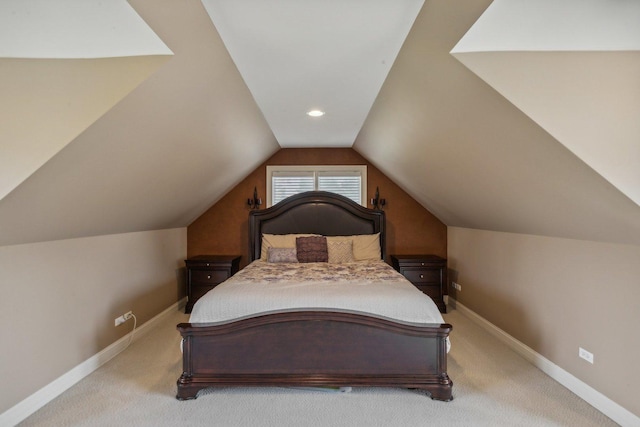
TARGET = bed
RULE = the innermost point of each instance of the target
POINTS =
(307, 346)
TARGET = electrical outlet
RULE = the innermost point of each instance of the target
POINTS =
(584, 354)
(121, 319)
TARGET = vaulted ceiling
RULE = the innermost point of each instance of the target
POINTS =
(330, 56)
(524, 122)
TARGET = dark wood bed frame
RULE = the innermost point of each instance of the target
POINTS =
(315, 348)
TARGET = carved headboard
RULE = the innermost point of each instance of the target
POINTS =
(315, 212)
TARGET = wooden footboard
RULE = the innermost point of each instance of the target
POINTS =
(315, 348)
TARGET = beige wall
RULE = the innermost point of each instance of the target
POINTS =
(556, 295)
(64, 97)
(60, 299)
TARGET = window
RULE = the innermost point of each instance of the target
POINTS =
(284, 181)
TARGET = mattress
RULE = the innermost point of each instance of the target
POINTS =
(368, 287)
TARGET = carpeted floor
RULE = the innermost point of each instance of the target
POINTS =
(492, 386)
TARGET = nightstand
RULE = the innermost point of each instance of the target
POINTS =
(427, 272)
(205, 272)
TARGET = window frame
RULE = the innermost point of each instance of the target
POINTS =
(315, 169)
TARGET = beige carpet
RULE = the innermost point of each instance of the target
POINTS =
(492, 386)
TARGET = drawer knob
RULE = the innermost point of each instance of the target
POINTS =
(208, 277)
(422, 276)
(422, 263)
(208, 264)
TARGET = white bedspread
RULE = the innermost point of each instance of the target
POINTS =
(371, 287)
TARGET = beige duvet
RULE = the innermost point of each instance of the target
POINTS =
(370, 287)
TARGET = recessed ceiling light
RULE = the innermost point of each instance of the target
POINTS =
(315, 113)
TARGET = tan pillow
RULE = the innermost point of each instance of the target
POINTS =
(365, 246)
(340, 251)
(278, 241)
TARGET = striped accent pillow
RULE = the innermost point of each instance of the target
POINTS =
(340, 251)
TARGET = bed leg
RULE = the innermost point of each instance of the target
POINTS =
(186, 390)
(440, 391)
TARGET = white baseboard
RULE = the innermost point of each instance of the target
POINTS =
(596, 399)
(46, 394)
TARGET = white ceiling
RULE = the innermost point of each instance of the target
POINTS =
(550, 25)
(75, 29)
(296, 56)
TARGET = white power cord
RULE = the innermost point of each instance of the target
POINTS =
(126, 317)
(121, 319)
(135, 323)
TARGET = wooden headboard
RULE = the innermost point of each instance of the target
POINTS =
(315, 212)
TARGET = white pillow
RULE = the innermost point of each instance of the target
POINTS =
(282, 255)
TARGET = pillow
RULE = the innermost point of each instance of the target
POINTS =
(365, 246)
(312, 249)
(281, 255)
(340, 251)
(278, 241)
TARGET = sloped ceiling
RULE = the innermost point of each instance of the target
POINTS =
(472, 157)
(157, 159)
(58, 74)
(574, 68)
(187, 134)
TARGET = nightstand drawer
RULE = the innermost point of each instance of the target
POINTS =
(421, 275)
(417, 263)
(209, 277)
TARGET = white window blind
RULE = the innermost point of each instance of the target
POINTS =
(285, 184)
(284, 181)
(345, 183)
